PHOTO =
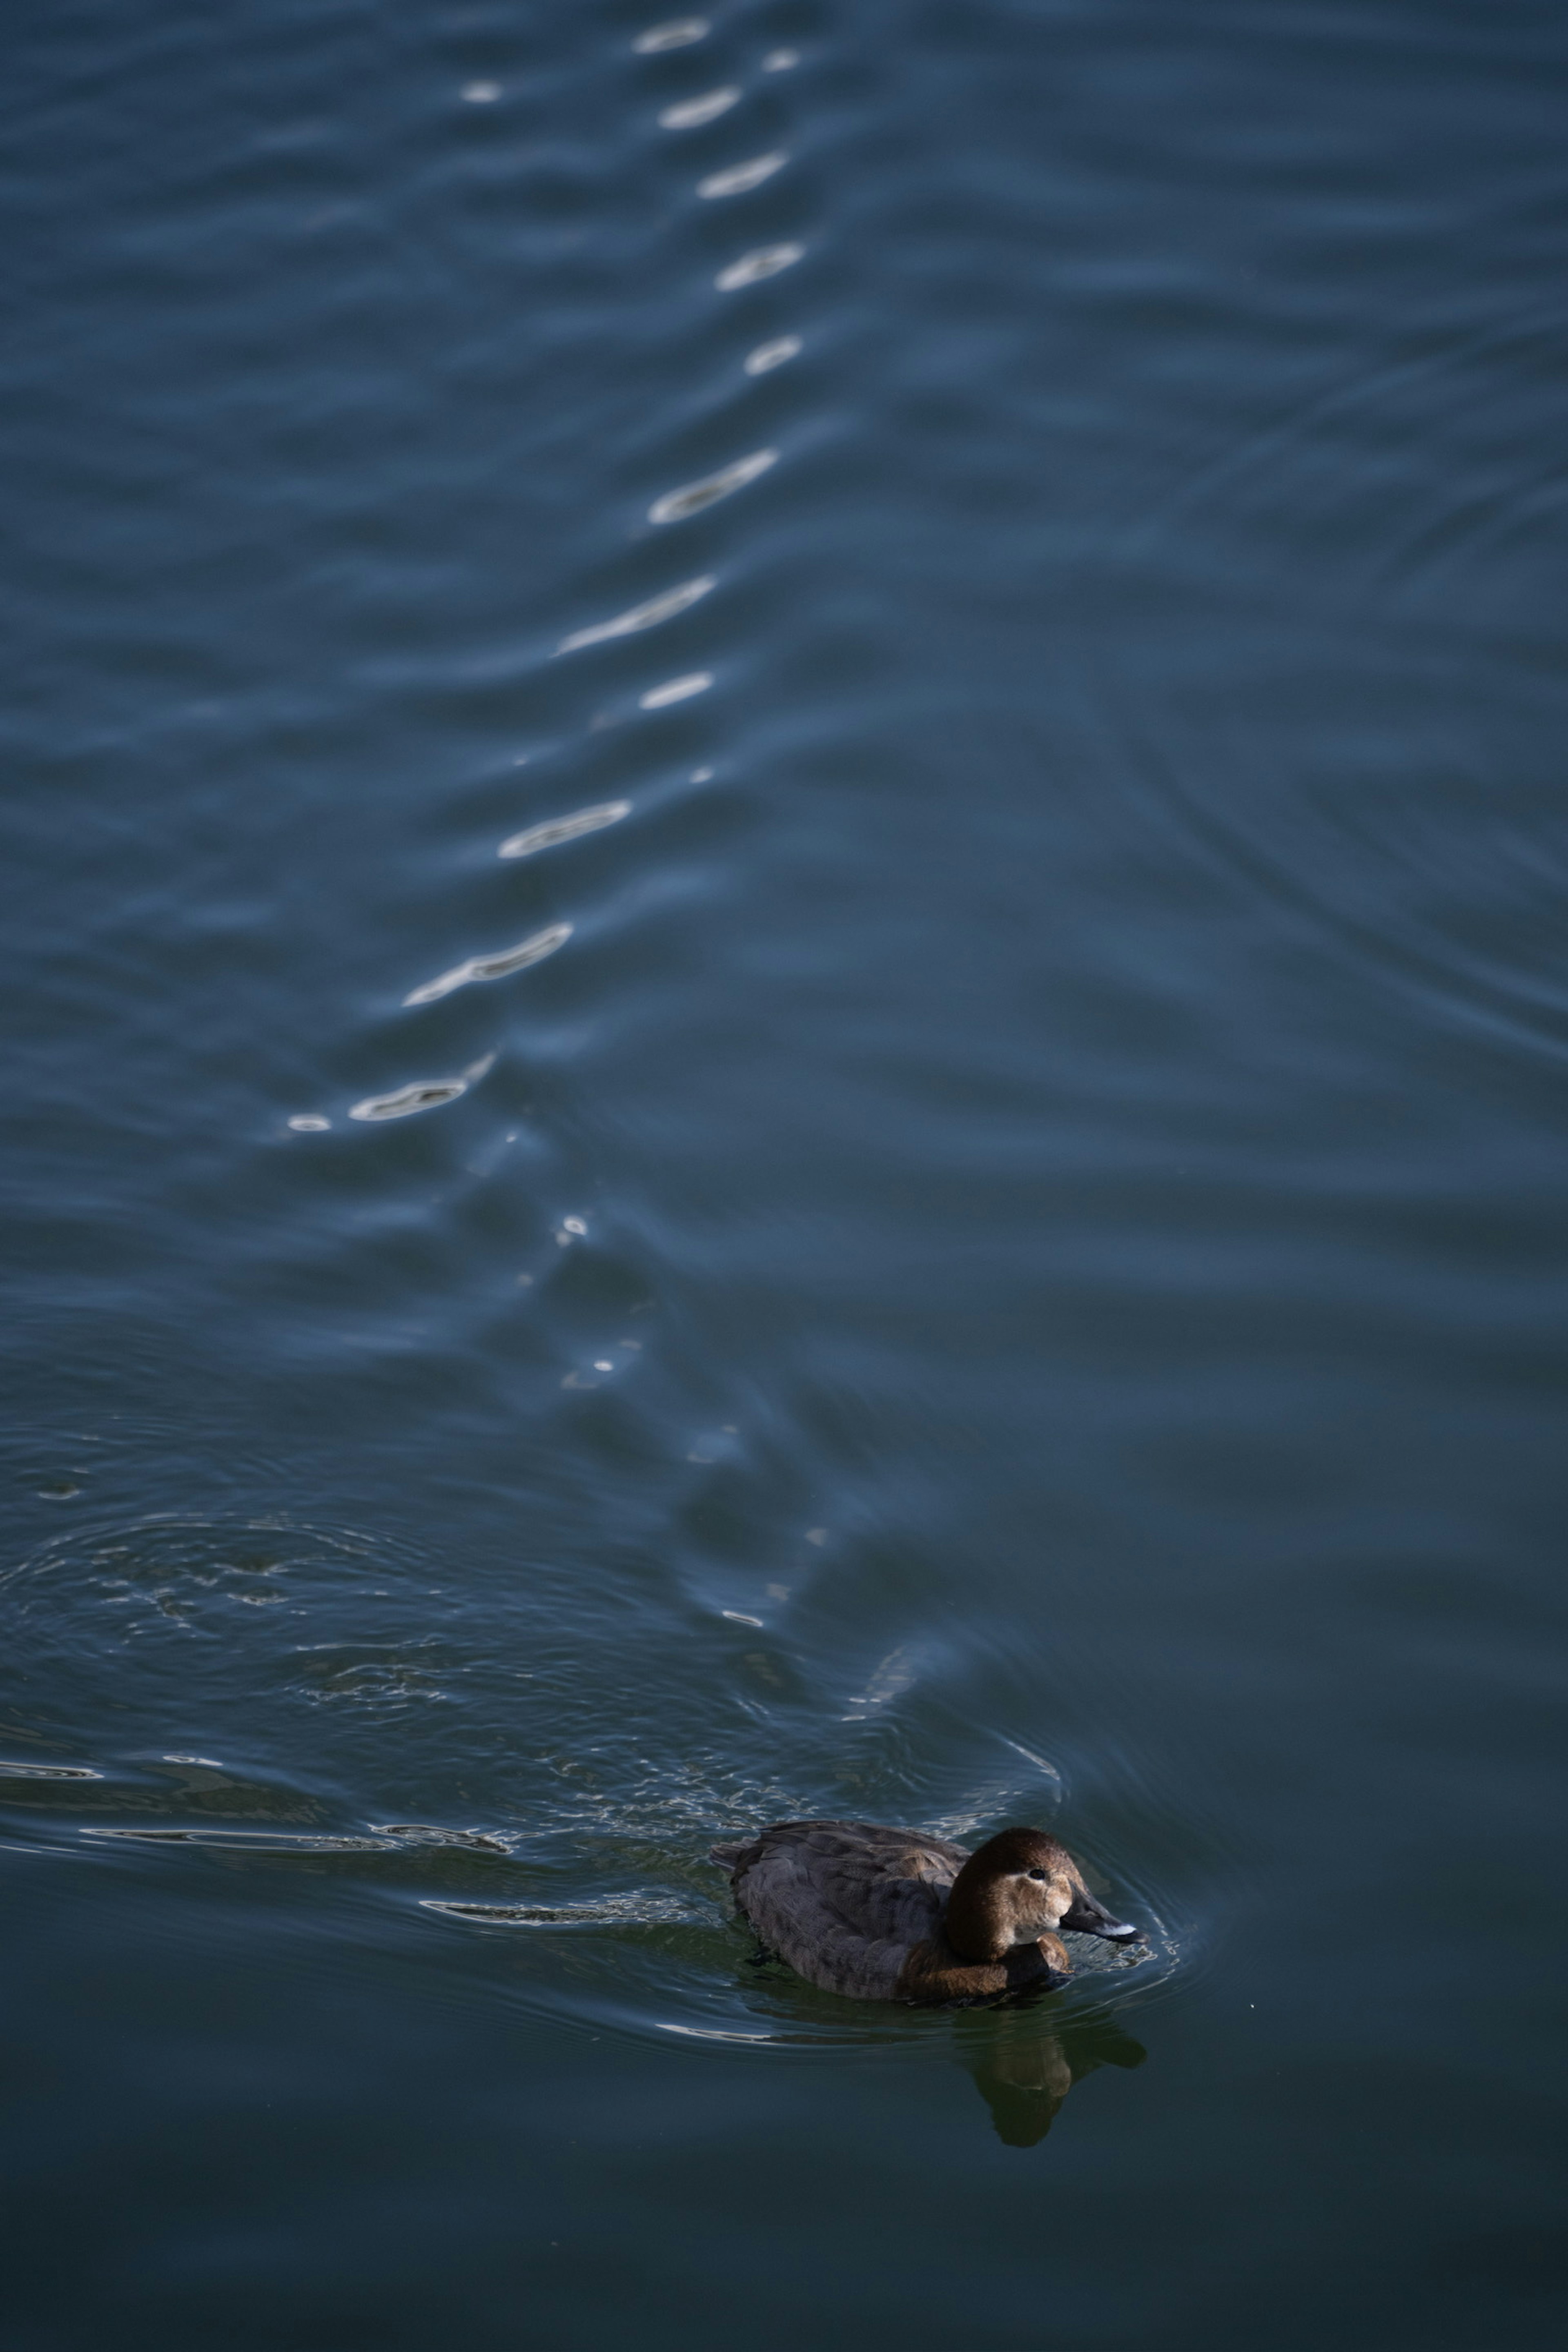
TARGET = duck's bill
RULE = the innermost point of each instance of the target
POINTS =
(1089, 1917)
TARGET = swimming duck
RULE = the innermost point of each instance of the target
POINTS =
(890, 1915)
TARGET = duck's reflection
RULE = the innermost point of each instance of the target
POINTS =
(1025, 2061)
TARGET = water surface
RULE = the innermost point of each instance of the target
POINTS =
(785, 946)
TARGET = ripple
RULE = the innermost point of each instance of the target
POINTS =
(676, 690)
(659, 608)
(428, 1834)
(740, 177)
(49, 1772)
(676, 505)
(679, 34)
(490, 967)
(1415, 820)
(713, 2032)
(249, 1841)
(691, 113)
(554, 830)
(781, 61)
(896, 1673)
(768, 356)
(310, 1122)
(765, 261)
(643, 1909)
(422, 1094)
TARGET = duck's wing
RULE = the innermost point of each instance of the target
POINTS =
(845, 1902)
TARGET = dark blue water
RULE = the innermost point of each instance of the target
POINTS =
(925, 1181)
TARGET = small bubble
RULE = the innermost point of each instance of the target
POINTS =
(482, 93)
(779, 60)
(572, 1226)
(310, 1122)
(701, 776)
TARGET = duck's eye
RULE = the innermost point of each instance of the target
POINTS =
(1037, 1874)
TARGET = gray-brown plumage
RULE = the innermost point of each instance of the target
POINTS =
(890, 1915)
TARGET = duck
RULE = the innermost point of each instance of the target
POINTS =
(885, 1914)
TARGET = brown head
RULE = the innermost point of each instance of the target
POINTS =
(1018, 1886)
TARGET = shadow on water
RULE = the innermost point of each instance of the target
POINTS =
(1025, 2059)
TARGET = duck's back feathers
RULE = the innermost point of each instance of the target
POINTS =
(857, 1908)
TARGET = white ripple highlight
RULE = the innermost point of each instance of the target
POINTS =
(641, 617)
(740, 177)
(425, 1094)
(678, 34)
(772, 355)
(676, 690)
(752, 268)
(691, 113)
(554, 830)
(492, 966)
(644, 1908)
(692, 497)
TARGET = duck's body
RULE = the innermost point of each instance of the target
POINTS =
(891, 1914)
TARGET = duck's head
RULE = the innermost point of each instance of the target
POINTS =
(1018, 1886)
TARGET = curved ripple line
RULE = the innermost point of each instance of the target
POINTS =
(643, 1910)
(424, 1094)
(772, 355)
(676, 690)
(492, 966)
(713, 2032)
(740, 177)
(767, 262)
(678, 34)
(676, 505)
(249, 1841)
(557, 829)
(691, 113)
(431, 1833)
(641, 617)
